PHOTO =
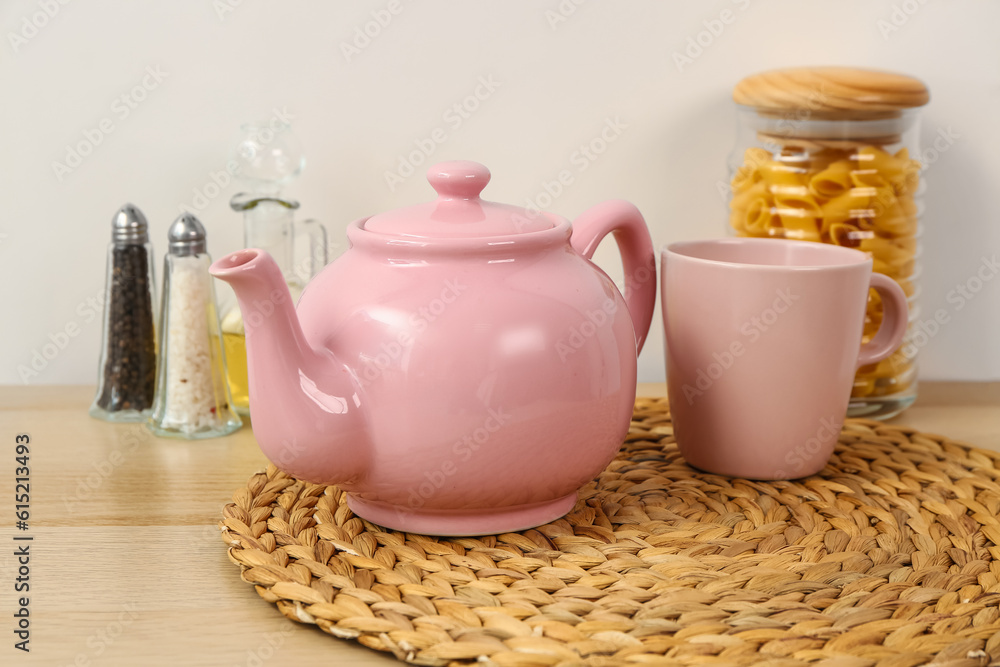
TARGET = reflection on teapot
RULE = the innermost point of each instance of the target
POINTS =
(462, 369)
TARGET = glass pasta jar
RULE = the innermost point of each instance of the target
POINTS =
(831, 155)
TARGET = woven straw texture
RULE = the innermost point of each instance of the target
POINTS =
(890, 556)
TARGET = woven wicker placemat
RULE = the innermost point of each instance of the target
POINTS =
(890, 556)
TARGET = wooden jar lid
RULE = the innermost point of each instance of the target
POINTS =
(831, 92)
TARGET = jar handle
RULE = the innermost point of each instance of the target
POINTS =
(636, 248)
(894, 320)
(307, 266)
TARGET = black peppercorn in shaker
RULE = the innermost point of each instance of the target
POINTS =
(127, 373)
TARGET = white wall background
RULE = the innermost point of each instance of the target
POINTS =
(229, 61)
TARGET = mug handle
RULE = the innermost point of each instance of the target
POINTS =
(636, 248)
(894, 320)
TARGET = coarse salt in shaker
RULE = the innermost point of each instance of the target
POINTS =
(192, 396)
(127, 375)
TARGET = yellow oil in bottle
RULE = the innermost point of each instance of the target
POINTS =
(235, 345)
(234, 342)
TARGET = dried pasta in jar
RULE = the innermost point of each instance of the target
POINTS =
(857, 197)
(831, 155)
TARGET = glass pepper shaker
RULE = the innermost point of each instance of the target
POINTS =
(192, 396)
(127, 374)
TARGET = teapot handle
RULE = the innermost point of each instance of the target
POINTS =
(636, 248)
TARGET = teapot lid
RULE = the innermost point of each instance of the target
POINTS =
(458, 212)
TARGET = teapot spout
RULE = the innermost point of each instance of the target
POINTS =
(306, 407)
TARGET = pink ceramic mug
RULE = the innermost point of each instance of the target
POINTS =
(763, 339)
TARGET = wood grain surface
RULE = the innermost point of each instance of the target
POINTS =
(127, 567)
(848, 92)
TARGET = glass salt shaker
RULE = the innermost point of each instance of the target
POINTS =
(126, 380)
(192, 395)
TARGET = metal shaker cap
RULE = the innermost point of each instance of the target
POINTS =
(129, 226)
(186, 236)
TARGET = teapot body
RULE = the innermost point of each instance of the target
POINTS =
(495, 380)
(463, 369)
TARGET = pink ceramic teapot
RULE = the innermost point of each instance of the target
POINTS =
(462, 369)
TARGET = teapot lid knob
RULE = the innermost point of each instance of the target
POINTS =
(458, 179)
(458, 212)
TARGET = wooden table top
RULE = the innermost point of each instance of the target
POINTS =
(126, 563)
